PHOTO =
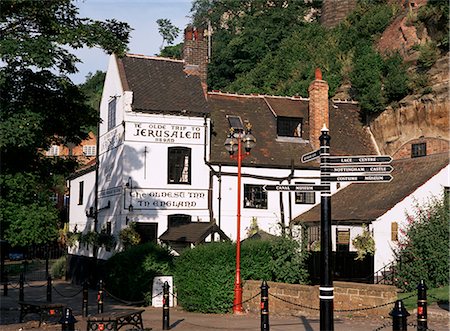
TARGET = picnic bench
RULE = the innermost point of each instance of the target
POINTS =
(116, 319)
(46, 310)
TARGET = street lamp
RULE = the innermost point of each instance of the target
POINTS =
(236, 138)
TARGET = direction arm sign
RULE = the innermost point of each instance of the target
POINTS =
(310, 156)
(363, 168)
(297, 188)
(360, 179)
(358, 159)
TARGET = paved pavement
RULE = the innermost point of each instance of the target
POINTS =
(64, 292)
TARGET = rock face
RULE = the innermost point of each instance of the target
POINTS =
(419, 118)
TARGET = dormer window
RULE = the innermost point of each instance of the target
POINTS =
(289, 127)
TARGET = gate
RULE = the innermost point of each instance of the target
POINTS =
(344, 267)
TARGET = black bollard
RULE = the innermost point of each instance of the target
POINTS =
(49, 289)
(166, 306)
(21, 282)
(422, 323)
(399, 316)
(265, 306)
(84, 305)
(67, 321)
(5, 283)
(100, 297)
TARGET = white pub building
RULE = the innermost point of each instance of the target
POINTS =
(162, 164)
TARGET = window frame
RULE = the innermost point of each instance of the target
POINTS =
(418, 149)
(289, 126)
(343, 246)
(175, 220)
(112, 105)
(89, 150)
(53, 150)
(176, 162)
(394, 231)
(80, 192)
(261, 202)
(306, 200)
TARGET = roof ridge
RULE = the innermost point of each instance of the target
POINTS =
(344, 101)
(256, 95)
(149, 57)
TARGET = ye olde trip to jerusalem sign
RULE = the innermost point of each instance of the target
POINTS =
(164, 133)
(167, 199)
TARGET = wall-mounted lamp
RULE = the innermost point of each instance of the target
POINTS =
(129, 184)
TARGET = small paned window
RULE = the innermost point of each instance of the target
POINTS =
(394, 231)
(255, 196)
(342, 240)
(305, 198)
(80, 192)
(289, 127)
(313, 236)
(89, 150)
(53, 150)
(112, 114)
(179, 165)
(178, 219)
(419, 149)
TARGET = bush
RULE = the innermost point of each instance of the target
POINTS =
(58, 268)
(205, 275)
(288, 261)
(423, 251)
(129, 274)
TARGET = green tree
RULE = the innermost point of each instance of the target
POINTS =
(366, 79)
(245, 32)
(424, 250)
(41, 106)
(173, 52)
(167, 31)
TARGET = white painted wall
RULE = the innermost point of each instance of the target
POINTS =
(382, 226)
(268, 219)
(77, 212)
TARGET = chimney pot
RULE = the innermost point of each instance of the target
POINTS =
(318, 74)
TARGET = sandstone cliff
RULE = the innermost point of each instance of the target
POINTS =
(420, 117)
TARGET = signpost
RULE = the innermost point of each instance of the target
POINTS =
(361, 179)
(358, 159)
(297, 188)
(357, 168)
(311, 156)
(350, 169)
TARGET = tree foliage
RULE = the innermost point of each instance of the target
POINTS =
(167, 30)
(424, 249)
(273, 47)
(41, 106)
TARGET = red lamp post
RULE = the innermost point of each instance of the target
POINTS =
(233, 144)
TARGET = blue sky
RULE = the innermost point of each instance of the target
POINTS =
(141, 15)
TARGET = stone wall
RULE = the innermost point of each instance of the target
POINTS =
(347, 296)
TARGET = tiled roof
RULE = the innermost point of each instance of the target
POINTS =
(346, 130)
(161, 85)
(194, 232)
(368, 201)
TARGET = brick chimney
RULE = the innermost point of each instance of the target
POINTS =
(195, 52)
(318, 108)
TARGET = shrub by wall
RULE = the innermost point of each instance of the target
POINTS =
(129, 274)
(205, 275)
